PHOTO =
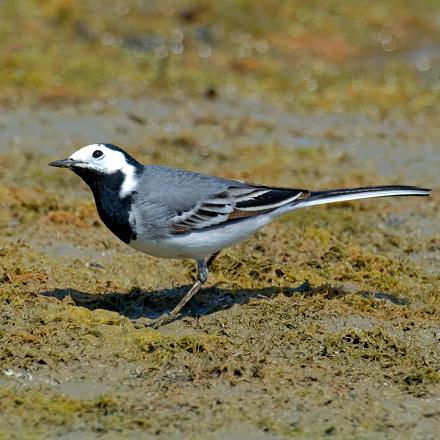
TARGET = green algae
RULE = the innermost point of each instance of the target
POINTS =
(65, 413)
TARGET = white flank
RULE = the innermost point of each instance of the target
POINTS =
(202, 243)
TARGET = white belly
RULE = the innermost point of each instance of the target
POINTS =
(201, 243)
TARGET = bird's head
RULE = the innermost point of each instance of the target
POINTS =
(98, 161)
(99, 158)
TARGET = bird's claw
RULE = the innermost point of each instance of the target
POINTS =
(159, 322)
(162, 320)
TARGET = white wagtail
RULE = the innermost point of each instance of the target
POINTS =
(172, 213)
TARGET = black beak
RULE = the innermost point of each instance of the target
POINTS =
(65, 163)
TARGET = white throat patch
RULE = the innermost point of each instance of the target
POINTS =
(130, 183)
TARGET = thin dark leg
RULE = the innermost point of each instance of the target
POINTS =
(202, 277)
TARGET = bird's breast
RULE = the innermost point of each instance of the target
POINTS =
(115, 213)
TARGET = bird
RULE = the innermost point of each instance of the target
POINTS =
(173, 213)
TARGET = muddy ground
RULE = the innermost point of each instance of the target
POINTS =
(325, 324)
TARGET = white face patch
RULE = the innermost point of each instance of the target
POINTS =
(109, 162)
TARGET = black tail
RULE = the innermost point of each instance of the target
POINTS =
(342, 195)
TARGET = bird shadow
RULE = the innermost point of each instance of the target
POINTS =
(139, 303)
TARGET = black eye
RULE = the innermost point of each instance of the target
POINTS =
(97, 153)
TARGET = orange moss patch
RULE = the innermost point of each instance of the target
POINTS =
(331, 48)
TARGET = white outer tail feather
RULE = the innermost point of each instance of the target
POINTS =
(357, 194)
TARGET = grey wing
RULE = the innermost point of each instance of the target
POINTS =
(233, 204)
(176, 201)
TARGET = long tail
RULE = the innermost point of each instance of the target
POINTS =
(343, 195)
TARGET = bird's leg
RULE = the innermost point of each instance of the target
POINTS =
(202, 277)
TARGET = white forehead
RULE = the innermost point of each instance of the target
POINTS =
(110, 160)
(86, 152)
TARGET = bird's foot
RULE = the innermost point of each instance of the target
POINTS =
(159, 322)
(137, 323)
(162, 320)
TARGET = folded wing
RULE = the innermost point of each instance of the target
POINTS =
(233, 204)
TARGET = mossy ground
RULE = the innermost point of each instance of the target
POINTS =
(326, 323)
